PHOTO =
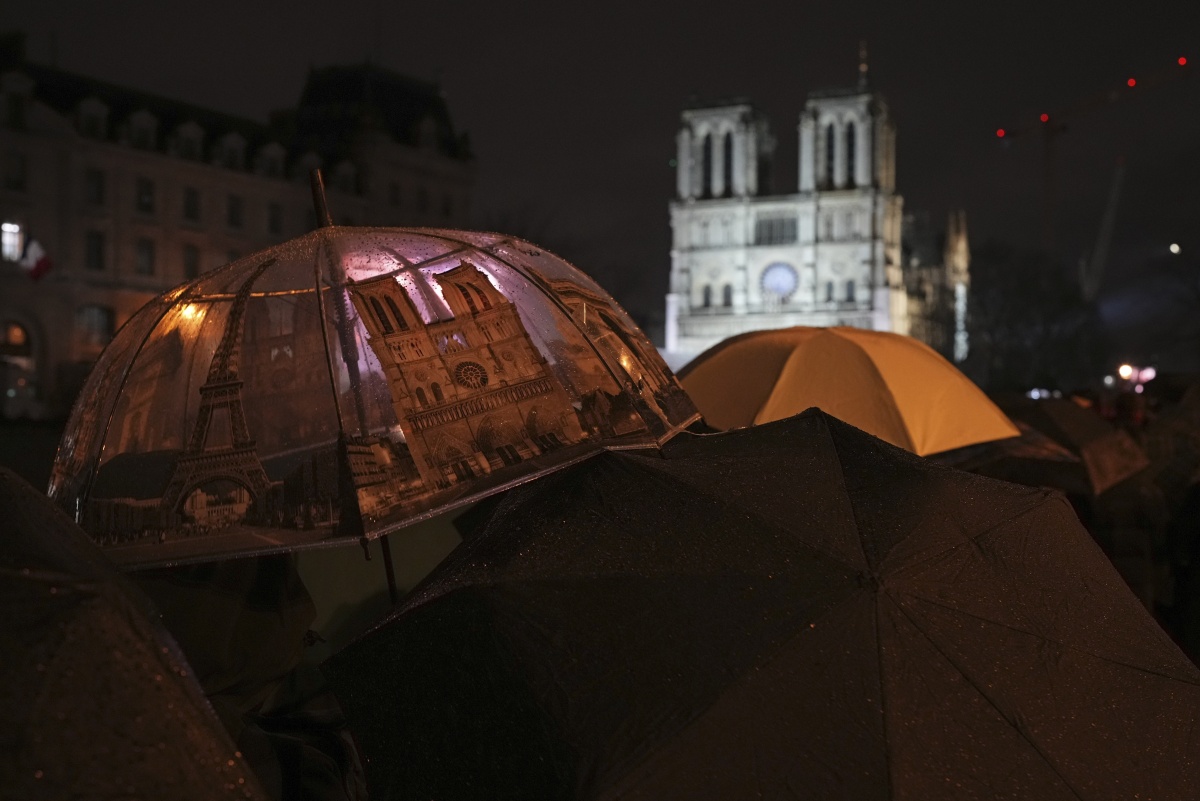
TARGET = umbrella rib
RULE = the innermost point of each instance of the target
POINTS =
(1020, 733)
(1043, 638)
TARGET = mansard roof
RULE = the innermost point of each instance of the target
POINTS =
(340, 101)
(336, 104)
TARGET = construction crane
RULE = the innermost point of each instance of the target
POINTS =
(1050, 126)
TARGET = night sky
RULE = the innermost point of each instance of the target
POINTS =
(573, 114)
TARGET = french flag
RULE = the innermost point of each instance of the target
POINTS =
(35, 259)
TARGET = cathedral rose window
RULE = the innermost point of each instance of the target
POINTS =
(471, 375)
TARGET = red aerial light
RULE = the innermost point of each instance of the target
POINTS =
(1131, 82)
(1044, 118)
(1000, 132)
(1182, 61)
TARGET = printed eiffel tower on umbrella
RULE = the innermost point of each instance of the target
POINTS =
(238, 462)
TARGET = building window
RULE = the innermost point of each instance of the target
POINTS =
(92, 126)
(16, 172)
(830, 142)
(274, 218)
(144, 195)
(394, 193)
(421, 397)
(775, 231)
(727, 295)
(829, 291)
(144, 257)
(850, 145)
(93, 250)
(400, 323)
(728, 153)
(438, 397)
(706, 296)
(95, 325)
(381, 315)
(706, 177)
(191, 261)
(143, 136)
(93, 187)
(234, 211)
(191, 204)
(850, 291)
(12, 241)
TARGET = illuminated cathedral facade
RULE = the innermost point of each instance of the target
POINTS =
(828, 254)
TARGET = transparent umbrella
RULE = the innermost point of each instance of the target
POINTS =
(346, 384)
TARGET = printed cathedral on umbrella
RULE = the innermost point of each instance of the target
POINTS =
(346, 384)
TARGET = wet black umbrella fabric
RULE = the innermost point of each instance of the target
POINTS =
(794, 610)
(1032, 459)
(1109, 455)
(96, 700)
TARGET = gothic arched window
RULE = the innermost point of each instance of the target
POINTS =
(706, 179)
(850, 145)
(462, 290)
(850, 291)
(438, 397)
(421, 399)
(828, 291)
(728, 153)
(830, 144)
(400, 322)
(483, 298)
(381, 315)
(706, 299)
(727, 295)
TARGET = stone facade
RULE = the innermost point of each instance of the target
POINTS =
(827, 254)
(129, 194)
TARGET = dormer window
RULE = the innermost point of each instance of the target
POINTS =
(231, 152)
(142, 129)
(93, 118)
(269, 161)
(306, 164)
(189, 141)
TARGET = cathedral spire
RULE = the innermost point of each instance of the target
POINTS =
(862, 64)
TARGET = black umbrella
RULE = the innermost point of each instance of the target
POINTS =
(795, 610)
(96, 700)
(1109, 454)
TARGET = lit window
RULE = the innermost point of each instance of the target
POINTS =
(12, 241)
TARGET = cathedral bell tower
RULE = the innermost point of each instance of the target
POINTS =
(723, 151)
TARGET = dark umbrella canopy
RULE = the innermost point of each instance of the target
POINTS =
(1109, 455)
(96, 700)
(1032, 459)
(795, 610)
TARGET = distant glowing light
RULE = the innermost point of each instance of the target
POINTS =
(1139, 389)
(1131, 82)
(1000, 132)
(1147, 374)
(1109, 381)
(1175, 247)
(1182, 61)
(1044, 118)
(1125, 371)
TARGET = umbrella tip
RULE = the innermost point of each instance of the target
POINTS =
(319, 204)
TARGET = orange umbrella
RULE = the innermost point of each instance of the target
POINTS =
(889, 385)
